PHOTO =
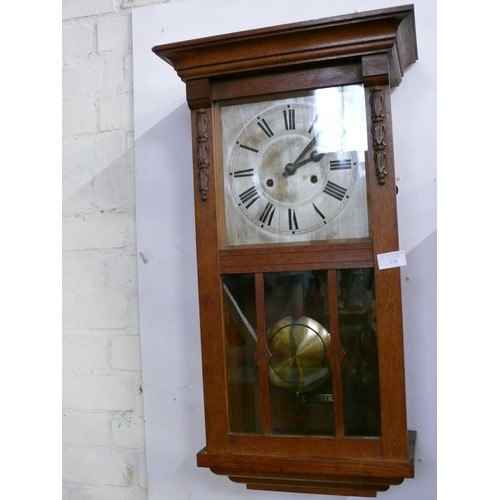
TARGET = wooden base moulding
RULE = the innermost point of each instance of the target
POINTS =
(331, 477)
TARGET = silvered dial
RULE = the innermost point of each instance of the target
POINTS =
(285, 176)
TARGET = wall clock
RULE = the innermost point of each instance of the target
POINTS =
(301, 330)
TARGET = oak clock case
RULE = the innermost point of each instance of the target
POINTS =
(301, 332)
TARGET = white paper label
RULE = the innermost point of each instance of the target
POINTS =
(391, 259)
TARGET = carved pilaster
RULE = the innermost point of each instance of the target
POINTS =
(378, 133)
(202, 151)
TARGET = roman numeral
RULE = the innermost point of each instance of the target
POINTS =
(267, 215)
(251, 195)
(292, 220)
(264, 126)
(248, 172)
(320, 213)
(248, 148)
(332, 189)
(289, 117)
(340, 164)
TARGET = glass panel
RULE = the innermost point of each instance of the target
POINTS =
(300, 379)
(294, 168)
(298, 397)
(241, 338)
(357, 324)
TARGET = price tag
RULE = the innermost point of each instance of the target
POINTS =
(391, 259)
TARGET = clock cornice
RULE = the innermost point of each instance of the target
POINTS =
(389, 32)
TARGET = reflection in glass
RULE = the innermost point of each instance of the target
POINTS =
(343, 120)
(360, 368)
(241, 339)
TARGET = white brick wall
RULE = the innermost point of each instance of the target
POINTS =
(103, 423)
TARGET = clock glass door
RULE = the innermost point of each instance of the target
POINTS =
(294, 169)
(300, 325)
(301, 352)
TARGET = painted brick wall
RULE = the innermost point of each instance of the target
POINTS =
(103, 423)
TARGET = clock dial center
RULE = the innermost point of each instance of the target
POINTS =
(304, 180)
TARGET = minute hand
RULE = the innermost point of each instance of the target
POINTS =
(290, 168)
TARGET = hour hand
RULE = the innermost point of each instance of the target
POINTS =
(302, 159)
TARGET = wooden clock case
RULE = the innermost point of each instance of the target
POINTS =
(369, 48)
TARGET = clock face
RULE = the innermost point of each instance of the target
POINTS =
(294, 168)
